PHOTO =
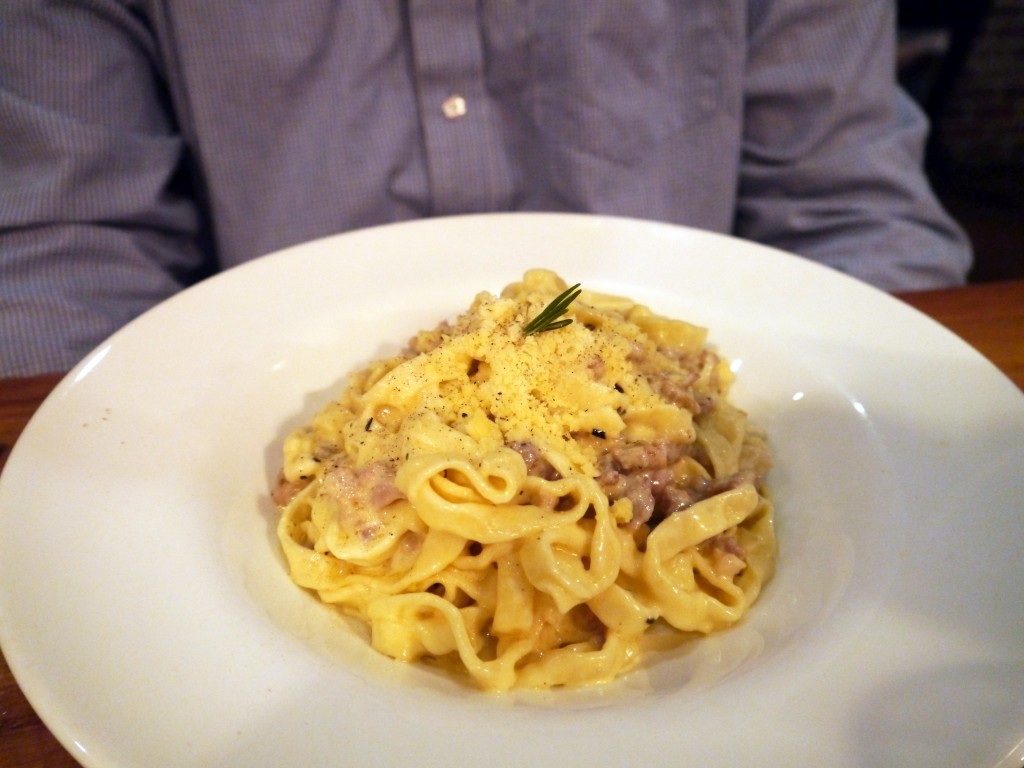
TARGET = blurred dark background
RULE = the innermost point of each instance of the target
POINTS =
(963, 61)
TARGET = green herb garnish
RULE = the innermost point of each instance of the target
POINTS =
(548, 320)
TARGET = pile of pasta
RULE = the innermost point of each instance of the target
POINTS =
(525, 507)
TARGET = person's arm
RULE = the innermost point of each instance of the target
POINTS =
(96, 225)
(831, 163)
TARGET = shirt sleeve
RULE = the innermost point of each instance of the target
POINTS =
(831, 159)
(95, 225)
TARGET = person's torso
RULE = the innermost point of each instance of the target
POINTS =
(309, 119)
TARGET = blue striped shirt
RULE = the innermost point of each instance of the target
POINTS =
(145, 144)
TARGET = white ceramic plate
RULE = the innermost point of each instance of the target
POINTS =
(146, 613)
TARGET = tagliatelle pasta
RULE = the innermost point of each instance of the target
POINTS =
(528, 506)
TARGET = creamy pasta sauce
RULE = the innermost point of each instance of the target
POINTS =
(526, 507)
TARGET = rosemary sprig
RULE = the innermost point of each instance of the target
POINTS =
(548, 320)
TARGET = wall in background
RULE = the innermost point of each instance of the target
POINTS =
(963, 60)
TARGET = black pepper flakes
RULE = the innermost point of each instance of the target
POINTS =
(369, 423)
(598, 433)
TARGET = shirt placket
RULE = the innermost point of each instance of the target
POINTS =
(466, 161)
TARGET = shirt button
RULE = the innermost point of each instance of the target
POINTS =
(454, 107)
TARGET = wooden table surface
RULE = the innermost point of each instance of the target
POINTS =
(988, 316)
